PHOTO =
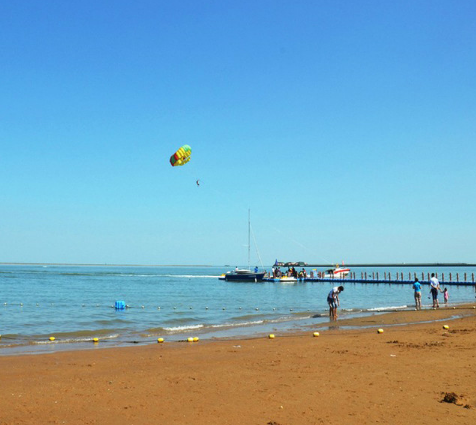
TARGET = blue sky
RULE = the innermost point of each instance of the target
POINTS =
(347, 127)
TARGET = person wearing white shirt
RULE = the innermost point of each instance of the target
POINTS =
(333, 301)
(435, 288)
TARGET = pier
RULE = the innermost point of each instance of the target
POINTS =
(399, 278)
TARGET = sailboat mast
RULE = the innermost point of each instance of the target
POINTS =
(249, 241)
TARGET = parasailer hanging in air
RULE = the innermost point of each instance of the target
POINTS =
(182, 156)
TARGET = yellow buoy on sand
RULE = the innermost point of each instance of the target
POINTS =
(190, 339)
(271, 336)
(160, 340)
(380, 331)
(195, 339)
(316, 333)
(446, 327)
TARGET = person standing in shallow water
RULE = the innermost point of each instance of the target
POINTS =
(417, 293)
(435, 288)
(333, 301)
(445, 296)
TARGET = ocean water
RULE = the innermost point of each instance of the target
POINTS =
(76, 303)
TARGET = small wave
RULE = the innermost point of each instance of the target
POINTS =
(72, 340)
(391, 308)
(183, 328)
(234, 325)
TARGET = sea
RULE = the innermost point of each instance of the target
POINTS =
(75, 304)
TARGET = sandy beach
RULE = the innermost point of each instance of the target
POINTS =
(344, 376)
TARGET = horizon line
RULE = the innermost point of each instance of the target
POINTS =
(437, 264)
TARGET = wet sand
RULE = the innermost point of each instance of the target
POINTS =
(345, 376)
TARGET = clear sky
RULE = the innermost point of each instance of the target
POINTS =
(346, 127)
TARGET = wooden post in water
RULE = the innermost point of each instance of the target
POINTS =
(414, 276)
(450, 277)
(442, 277)
(457, 277)
(377, 275)
(472, 277)
(465, 277)
(365, 275)
(402, 276)
(428, 277)
(422, 276)
(409, 276)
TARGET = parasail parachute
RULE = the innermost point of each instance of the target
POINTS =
(182, 156)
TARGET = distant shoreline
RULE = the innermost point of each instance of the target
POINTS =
(106, 265)
(360, 265)
(402, 265)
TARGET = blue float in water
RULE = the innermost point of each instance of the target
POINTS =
(120, 305)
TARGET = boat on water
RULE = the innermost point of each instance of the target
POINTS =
(337, 272)
(287, 279)
(283, 279)
(244, 275)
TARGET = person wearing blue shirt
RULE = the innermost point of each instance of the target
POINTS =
(417, 289)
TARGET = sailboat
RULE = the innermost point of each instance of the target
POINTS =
(244, 275)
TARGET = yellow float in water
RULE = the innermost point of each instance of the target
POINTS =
(52, 338)
(95, 340)
(160, 340)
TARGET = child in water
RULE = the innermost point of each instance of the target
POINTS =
(445, 295)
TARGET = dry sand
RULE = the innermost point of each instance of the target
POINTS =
(344, 376)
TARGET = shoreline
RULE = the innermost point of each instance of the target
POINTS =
(404, 315)
(350, 376)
